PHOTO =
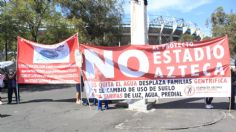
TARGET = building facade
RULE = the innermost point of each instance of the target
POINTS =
(162, 29)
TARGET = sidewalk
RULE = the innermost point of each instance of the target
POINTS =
(55, 110)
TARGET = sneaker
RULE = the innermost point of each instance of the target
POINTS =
(1, 103)
(106, 108)
(78, 102)
(99, 109)
(85, 104)
(209, 106)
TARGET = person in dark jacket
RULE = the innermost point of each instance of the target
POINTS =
(11, 77)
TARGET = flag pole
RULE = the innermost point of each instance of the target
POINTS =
(17, 86)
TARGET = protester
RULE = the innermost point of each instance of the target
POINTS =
(100, 104)
(208, 101)
(11, 77)
(86, 101)
(77, 95)
(2, 76)
(233, 82)
(1, 100)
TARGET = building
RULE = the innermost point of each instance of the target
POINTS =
(163, 29)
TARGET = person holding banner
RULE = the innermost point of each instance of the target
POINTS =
(78, 61)
(1, 85)
(11, 77)
(100, 104)
(86, 101)
(208, 101)
(77, 95)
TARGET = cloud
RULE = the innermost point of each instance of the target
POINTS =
(179, 5)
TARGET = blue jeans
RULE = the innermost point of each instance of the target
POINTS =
(85, 101)
(77, 86)
(11, 89)
(100, 104)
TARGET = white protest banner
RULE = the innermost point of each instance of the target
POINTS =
(48, 64)
(200, 69)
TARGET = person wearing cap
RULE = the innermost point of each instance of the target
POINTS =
(11, 77)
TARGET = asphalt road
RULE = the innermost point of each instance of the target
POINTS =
(54, 110)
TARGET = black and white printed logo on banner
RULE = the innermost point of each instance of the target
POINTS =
(54, 54)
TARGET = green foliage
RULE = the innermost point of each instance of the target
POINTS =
(96, 20)
(49, 21)
(224, 24)
(9, 28)
(187, 38)
(55, 30)
(33, 14)
(206, 38)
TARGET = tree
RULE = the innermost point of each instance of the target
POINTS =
(56, 29)
(97, 21)
(188, 38)
(206, 38)
(9, 28)
(36, 20)
(49, 21)
(33, 14)
(224, 24)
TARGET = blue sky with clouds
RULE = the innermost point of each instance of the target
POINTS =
(197, 11)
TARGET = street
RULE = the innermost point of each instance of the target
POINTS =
(54, 110)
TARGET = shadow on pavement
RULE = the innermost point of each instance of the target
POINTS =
(37, 101)
(43, 87)
(65, 100)
(4, 115)
(40, 87)
(112, 105)
(48, 100)
(190, 104)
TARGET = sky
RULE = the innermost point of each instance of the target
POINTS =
(196, 11)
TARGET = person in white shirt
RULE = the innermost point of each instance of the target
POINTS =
(2, 77)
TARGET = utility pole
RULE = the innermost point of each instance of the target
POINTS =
(138, 30)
